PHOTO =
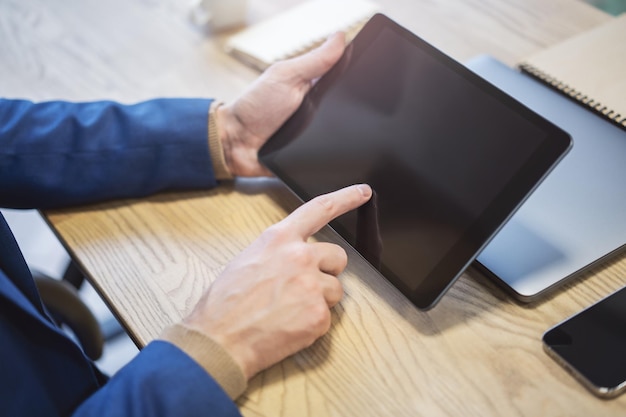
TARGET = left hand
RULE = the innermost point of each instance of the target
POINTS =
(246, 124)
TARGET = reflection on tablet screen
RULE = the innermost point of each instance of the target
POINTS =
(449, 156)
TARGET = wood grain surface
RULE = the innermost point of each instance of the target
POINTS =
(478, 352)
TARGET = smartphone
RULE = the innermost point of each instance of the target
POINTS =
(592, 345)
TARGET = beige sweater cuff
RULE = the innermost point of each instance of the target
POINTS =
(209, 355)
(220, 169)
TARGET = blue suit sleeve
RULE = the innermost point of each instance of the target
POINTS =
(161, 381)
(56, 154)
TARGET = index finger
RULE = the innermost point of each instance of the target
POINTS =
(310, 217)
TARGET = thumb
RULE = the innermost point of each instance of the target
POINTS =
(317, 62)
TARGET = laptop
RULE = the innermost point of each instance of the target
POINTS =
(576, 218)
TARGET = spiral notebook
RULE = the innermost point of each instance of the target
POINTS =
(298, 30)
(589, 68)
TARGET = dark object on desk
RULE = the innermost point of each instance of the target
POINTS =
(592, 345)
(449, 156)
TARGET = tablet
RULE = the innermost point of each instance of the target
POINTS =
(449, 156)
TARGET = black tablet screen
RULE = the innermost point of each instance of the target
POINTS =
(439, 146)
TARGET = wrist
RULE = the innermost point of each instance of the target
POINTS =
(238, 349)
(211, 355)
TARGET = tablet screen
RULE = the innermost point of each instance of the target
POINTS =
(449, 156)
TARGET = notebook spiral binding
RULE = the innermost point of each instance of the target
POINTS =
(595, 106)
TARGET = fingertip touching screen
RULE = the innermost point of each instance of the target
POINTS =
(449, 156)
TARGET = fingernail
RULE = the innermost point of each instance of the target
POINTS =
(366, 190)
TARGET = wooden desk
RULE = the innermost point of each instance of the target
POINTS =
(477, 353)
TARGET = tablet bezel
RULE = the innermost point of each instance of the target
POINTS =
(456, 260)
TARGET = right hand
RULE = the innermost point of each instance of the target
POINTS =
(274, 298)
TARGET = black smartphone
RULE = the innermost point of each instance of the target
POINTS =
(592, 345)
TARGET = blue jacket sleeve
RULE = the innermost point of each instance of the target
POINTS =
(55, 154)
(176, 387)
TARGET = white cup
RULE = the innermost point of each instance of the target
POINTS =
(219, 14)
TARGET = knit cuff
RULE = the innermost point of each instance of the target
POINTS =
(210, 355)
(220, 169)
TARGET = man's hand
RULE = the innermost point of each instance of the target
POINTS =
(274, 299)
(246, 124)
